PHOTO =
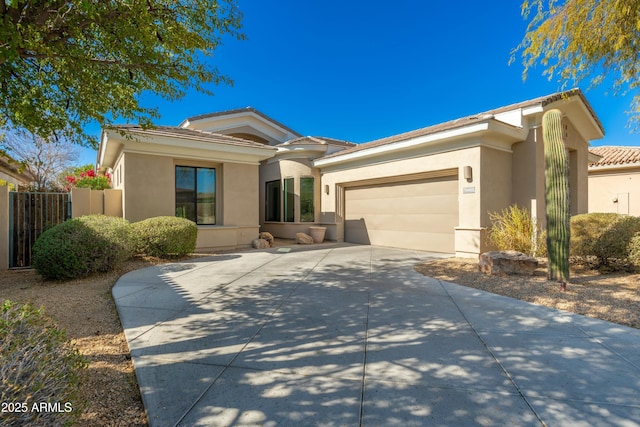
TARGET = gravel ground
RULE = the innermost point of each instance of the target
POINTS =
(85, 309)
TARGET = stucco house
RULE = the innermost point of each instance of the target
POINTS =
(614, 180)
(239, 172)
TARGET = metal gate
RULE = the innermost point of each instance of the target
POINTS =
(30, 214)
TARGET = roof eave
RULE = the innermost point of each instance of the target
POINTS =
(501, 136)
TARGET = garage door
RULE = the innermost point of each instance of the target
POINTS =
(419, 214)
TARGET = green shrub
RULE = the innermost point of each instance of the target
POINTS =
(634, 251)
(604, 236)
(514, 229)
(37, 366)
(82, 246)
(164, 236)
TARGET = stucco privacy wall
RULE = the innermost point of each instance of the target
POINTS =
(88, 202)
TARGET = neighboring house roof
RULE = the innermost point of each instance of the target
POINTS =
(192, 134)
(616, 156)
(237, 111)
(473, 119)
(10, 167)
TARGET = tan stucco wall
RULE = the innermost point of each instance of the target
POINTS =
(622, 185)
(149, 183)
(528, 172)
(87, 202)
(150, 191)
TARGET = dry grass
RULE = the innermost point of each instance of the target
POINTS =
(614, 297)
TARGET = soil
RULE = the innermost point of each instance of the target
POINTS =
(86, 310)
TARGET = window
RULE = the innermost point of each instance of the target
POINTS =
(272, 212)
(307, 213)
(289, 200)
(196, 194)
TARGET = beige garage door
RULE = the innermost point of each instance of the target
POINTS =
(411, 214)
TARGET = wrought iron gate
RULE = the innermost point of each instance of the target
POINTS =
(30, 214)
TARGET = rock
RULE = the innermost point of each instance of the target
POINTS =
(507, 262)
(260, 244)
(303, 239)
(268, 237)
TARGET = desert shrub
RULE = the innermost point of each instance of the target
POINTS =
(514, 229)
(164, 236)
(603, 236)
(586, 229)
(634, 251)
(37, 366)
(82, 246)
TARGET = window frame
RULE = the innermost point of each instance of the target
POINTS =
(268, 202)
(303, 210)
(197, 200)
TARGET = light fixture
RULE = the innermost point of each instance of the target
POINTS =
(468, 173)
(326, 189)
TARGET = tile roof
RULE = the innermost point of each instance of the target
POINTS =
(192, 134)
(237, 111)
(616, 156)
(452, 124)
(13, 166)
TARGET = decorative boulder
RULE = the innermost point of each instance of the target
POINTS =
(507, 262)
(260, 244)
(303, 239)
(268, 237)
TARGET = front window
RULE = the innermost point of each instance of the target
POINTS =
(289, 200)
(307, 213)
(196, 194)
(272, 212)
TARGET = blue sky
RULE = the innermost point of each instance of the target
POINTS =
(361, 70)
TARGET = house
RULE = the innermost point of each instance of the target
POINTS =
(614, 180)
(239, 172)
(10, 173)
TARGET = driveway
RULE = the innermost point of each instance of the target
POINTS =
(346, 335)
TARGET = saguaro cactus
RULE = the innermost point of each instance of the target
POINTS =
(556, 196)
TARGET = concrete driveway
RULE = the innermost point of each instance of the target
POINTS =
(352, 336)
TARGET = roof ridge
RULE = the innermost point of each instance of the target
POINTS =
(236, 111)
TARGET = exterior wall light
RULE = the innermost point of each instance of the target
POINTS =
(468, 173)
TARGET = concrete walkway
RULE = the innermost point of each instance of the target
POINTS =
(352, 335)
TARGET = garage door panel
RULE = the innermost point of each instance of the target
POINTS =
(413, 215)
(406, 205)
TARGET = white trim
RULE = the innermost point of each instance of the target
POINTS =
(509, 133)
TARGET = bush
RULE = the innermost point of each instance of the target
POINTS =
(37, 366)
(514, 229)
(605, 236)
(165, 236)
(82, 246)
(634, 251)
